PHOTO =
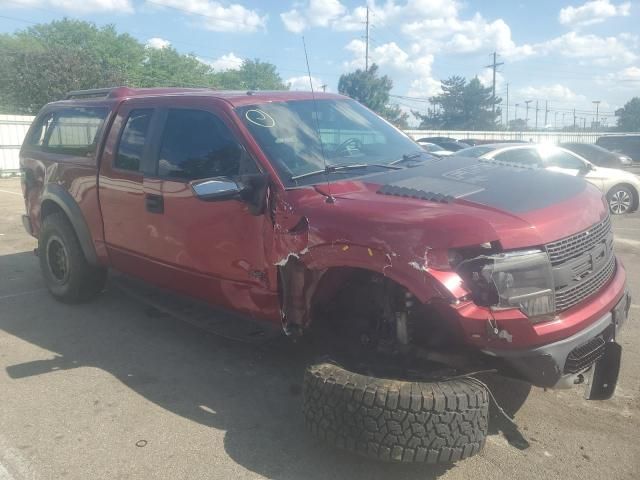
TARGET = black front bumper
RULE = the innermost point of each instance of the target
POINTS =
(563, 363)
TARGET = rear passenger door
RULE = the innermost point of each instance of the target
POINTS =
(127, 152)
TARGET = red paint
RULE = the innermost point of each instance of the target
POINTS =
(218, 251)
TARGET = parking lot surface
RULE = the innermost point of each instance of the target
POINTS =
(115, 389)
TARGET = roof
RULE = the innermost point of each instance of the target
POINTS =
(235, 97)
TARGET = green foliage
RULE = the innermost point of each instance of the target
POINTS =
(252, 75)
(367, 87)
(629, 116)
(44, 62)
(461, 105)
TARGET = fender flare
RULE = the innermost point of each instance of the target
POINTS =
(418, 282)
(64, 200)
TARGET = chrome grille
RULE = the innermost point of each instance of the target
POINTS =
(571, 247)
(578, 264)
(568, 297)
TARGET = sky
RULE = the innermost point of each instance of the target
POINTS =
(561, 54)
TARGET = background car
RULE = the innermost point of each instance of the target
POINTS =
(434, 149)
(628, 145)
(446, 143)
(598, 155)
(622, 189)
(477, 141)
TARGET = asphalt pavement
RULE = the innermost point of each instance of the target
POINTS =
(115, 389)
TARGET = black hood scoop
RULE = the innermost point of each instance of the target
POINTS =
(398, 191)
(505, 186)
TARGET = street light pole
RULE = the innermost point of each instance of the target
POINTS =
(526, 118)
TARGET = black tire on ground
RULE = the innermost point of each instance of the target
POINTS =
(390, 420)
(620, 199)
(66, 272)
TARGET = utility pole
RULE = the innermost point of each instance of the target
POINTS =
(574, 118)
(507, 122)
(537, 114)
(366, 51)
(516, 115)
(526, 118)
(555, 120)
(563, 120)
(494, 66)
(584, 123)
(546, 112)
(597, 102)
(324, 87)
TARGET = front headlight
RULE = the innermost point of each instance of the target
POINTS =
(521, 280)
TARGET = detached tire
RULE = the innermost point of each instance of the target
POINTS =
(397, 421)
(68, 275)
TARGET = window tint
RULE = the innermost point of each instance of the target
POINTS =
(196, 144)
(133, 140)
(561, 159)
(523, 156)
(72, 131)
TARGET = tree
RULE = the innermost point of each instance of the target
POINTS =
(517, 124)
(252, 75)
(629, 116)
(44, 62)
(367, 87)
(461, 105)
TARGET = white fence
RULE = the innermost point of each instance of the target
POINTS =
(13, 128)
(536, 137)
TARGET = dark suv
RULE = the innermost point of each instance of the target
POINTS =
(316, 217)
(626, 144)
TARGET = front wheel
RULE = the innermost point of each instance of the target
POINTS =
(395, 420)
(620, 200)
(68, 275)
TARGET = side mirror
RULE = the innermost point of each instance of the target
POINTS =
(587, 167)
(215, 189)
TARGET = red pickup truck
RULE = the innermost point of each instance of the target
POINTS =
(314, 215)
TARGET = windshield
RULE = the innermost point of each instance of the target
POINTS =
(287, 132)
(475, 152)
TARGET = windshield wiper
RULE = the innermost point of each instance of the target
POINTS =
(343, 166)
(407, 157)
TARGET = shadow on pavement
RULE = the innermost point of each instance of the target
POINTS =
(251, 392)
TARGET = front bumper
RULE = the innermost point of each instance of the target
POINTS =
(562, 364)
(538, 352)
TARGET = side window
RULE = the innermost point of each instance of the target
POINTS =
(561, 159)
(523, 156)
(197, 144)
(72, 131)
(133, 139)
(37, 136)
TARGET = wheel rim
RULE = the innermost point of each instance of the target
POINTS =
(620, 202)
(57, 260)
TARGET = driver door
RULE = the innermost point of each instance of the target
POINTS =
(207, 248)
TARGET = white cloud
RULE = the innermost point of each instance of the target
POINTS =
(555, 92)
(215, 16)
(302, 83)
(228, 61)
(592, 12)
(77, 6)
(597, 50)
(157, 42)
(624, 79)
(315, 13)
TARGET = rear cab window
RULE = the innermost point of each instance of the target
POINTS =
(72, 131)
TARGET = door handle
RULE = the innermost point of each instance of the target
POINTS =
(154, 203)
